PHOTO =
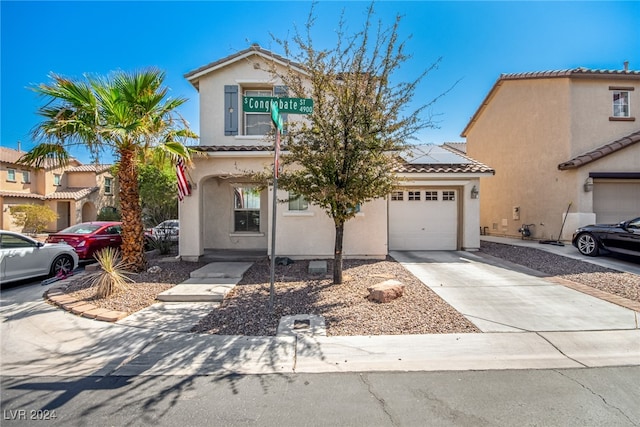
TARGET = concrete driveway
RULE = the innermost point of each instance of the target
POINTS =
(496, 298)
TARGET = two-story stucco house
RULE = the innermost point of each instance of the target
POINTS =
(76, 192)
(435, 207)
(559, 141)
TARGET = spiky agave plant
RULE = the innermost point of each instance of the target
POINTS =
(113, 274)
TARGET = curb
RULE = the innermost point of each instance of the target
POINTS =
(56, 295)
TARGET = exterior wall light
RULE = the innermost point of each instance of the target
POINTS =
(588, 185)
(474, 192)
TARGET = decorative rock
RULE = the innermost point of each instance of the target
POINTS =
(155, 269)
(385, 291)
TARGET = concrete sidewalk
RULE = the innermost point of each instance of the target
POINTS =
(528, 323)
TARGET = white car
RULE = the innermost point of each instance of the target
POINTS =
(22, 257)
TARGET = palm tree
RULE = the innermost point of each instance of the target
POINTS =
(128, 114)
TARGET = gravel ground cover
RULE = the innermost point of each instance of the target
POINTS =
(345, 307)
(626, 285)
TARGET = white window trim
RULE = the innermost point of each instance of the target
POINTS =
(14, 175)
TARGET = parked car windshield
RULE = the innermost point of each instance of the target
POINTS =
(80, 229)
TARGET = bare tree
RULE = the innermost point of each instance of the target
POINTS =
(345, 154)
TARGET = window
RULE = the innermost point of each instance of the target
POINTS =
(430, 195)
(397, 195)
(414, 195)
(26, 177)
(449, 196)
(56, 179)
(257, 123)
(107, 185)
(620, 103)
(11, 175)
(246, 215)
(297, 203)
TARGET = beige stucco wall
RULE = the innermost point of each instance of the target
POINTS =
(311, 233)
(525, 131)
(211, 91)
(591, 107)
(525, 154)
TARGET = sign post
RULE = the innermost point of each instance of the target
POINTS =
(277, 121)
(276, 106)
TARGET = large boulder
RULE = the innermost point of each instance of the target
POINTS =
(386, 291)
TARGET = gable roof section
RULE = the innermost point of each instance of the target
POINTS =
(194, 76)
(601, 152)
(575, 73)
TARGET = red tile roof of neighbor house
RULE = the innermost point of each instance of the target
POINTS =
(90, 168)
(76, 193)
(601, 152)
(21, 194)
(574, 73)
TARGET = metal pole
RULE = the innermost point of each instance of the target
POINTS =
(273, 219)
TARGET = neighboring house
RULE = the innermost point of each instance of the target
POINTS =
(558, 139)
(435, 207)
(77, 192)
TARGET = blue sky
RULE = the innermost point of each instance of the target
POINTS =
(476, 40)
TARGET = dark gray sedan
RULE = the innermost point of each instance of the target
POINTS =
(621, 238)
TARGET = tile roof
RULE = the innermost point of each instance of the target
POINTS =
(577, 73)
(9, 155)
(76, 193)
(228, 148)
(461, 163)
(90, 168)
(601, 152)
(21, 195)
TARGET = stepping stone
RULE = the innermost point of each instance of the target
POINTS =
(317, 267)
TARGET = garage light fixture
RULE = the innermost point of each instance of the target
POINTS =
(474, 192)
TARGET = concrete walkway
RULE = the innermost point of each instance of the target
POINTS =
(528, 323)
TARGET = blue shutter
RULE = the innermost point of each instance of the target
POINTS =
(281, 92)
(231, 110)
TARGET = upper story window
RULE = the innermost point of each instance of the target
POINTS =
(57, 179)
(108, 182)
(621, 97)
(26, 177)
(620, 103)
(11, 175)
(297, 202)
(257, 123)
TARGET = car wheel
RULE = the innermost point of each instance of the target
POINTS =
(62, 263)
(587, 245)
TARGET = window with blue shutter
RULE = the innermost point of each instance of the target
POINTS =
(230, 110)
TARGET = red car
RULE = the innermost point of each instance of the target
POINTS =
(89, 237)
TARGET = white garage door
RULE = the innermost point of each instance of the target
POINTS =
(423, 219)
(616, 200)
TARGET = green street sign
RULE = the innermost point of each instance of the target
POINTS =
(262, 104)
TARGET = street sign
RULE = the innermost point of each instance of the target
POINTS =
(262, 104)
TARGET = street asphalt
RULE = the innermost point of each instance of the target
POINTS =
(528, 322)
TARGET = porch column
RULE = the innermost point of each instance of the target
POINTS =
(190, 215)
